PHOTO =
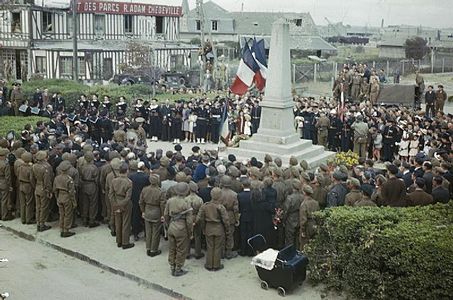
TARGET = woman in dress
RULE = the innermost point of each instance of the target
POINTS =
(413, 146)
(185, 121)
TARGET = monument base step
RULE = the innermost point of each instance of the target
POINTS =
(303, 150)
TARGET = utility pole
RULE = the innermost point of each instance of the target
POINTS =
(75, 56)
(200, 15)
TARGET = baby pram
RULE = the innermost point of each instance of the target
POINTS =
(288, 269)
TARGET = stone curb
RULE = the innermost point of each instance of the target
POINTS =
(93, 262)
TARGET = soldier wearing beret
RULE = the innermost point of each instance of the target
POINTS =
(355, 193)
(120, 196)
(178, 216)
(64, 190)
(89, 175)
(213, 219)
(26, 188)
(5, 186)
(306, 221)
(152, 204)
(43, 176)
(195, 202)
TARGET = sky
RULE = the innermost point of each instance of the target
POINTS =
(430, 13)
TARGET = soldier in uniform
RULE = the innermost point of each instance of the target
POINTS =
(152, 204)
(213, 219)
(230, 201)
(178, 216)
(355, 193)
(360, 136)
(195, 202)
(364, 89)
(202, 123)
(256, 116)
(216, 117)
(43, 176)
(441, 97)
(26, 188)
(5, 186)
(306, 222)
(334, 131)
(120, 196)
(322, 125)
(89, 175)
(64, 190)
(374, 91)
(388, 139)
(355, 91)
(290, 216)
(115, 164)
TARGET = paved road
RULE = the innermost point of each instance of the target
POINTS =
(38, 272)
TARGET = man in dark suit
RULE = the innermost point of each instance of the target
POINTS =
(439, 193)
(419, 196)
(428, 176)
(394, 190)
(418, 171)
(407, 174)
(246, 219)
(139, 180)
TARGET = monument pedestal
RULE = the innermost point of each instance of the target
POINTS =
(276, 135)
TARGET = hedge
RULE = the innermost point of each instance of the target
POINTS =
(71, 91)
(17, 124)
(385, 253)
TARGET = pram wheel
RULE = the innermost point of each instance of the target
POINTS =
(281, 291)
(264, 285)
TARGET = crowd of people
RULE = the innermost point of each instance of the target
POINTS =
(91, 164)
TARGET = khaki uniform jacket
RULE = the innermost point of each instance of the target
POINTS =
(323, 124)
(43, 176)
(103, 172)
(26, 179)
(89, 175)
(152, 203)
(320, 195)
(290, 208)
(195, 202)
(119, 136)
(352, 197)
(419, 197)
(162, 172)
(120, 192)
(178, 214)
(5, 175)
(64, 188)
(365, 201)
(16, 166)
(441, 97)
(213, 218)
(307, 208)
(108, 181)
(229, 199)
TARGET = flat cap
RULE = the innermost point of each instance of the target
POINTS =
(216, 193)
(41, 155)
(65, 166)
(27, 157)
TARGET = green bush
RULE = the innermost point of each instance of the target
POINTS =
(8, 123)
(385, 253)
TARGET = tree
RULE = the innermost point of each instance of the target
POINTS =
(137, 58)
(416, 48)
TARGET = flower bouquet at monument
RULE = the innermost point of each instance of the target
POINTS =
(277, 217)
(348, 159)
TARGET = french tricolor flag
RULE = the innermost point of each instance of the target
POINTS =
(259, 54)
(248, 72)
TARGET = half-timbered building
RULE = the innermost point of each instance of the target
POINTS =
(37, 38)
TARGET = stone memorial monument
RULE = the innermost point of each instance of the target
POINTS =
(276, 135)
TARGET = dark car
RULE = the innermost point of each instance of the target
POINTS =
(176, 80)
(143, 75)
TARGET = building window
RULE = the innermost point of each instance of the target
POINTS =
(198, 25)
(99, 24)
(128, 21)
(69, 25)
(159, 25)
(214, 25)
(41, 65)
(47, 21)
(66, 67)
(16, 24)
(298, 22)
